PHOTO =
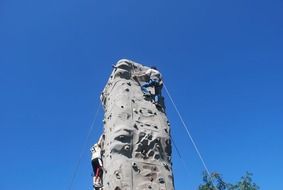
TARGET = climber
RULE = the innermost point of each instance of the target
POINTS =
(96, 163)
(154, 79)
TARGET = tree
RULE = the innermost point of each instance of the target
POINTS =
(214, 181)
(246, 183)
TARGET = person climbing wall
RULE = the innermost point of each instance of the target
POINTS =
(96, 163)
(153, 79)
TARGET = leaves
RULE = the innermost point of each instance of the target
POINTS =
(214, 181)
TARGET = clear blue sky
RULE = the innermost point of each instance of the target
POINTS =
(222, 61)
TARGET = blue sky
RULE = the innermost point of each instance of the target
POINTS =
(222, 62)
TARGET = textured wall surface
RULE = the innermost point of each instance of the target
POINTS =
(137, 145)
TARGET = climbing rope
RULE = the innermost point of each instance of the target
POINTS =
(83, 149)
(180, 156)
(187, 130)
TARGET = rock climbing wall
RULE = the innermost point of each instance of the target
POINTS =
(137, 145)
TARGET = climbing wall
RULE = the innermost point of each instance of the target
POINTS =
(137, 145)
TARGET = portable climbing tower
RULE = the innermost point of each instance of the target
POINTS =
(136, 148)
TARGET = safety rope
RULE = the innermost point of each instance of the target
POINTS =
(83, 149)
(180, 156)
(187, 130)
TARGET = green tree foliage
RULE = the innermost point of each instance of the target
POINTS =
(214, 181)
(246, 183)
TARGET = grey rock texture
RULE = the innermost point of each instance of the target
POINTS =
(136, 150)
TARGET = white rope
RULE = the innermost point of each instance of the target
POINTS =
(187, 130)
(83, 148)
